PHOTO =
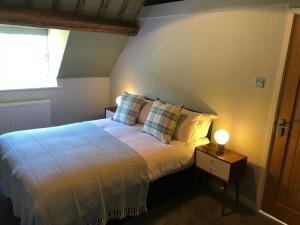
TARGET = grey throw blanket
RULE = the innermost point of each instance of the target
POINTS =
(76, 174)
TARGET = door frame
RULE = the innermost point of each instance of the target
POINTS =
(275, 100)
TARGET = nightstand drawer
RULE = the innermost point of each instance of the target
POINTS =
(213, 165)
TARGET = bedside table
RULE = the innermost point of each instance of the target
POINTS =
(228, 167)
(110, 111)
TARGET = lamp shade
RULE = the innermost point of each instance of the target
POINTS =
(221, 137)
(118, 100)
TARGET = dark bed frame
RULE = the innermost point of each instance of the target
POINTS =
(170, 186)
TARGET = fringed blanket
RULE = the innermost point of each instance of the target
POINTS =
(73, 174)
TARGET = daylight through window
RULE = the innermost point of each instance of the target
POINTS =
(23, 58)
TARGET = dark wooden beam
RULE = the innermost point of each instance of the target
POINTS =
(55, 4)
(80, 6)
(67, 21)
(103, 8)
(123, 8)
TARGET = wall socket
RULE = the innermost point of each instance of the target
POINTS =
(260, 82)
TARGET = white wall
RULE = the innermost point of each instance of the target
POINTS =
(209, 60)
(78, 99)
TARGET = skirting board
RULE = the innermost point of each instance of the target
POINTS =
(245, 201)
(231, 194)
(271, 217)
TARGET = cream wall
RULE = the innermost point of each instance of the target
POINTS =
(209, 60)
(77, 99)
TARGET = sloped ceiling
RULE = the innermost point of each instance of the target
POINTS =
(91, 54)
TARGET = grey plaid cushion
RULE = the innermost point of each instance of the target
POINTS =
(129, 108)
(162, 120)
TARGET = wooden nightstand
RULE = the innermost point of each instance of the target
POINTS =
(110, 111)
(228, 167)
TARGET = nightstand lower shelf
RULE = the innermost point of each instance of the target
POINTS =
(228, 168)
(225, 189)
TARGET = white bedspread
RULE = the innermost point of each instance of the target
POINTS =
(162, 159)
(72, 174)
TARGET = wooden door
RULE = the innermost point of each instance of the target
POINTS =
(282, 189)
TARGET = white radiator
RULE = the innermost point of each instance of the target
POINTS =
(24, 115)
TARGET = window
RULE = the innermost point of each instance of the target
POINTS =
(23, 58)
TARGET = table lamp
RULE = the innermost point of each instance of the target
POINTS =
(221, 136)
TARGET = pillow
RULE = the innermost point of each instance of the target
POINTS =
(203, 126)
(162, 120)
(201, 141)
(192, 126)
(145, 111)
(129, 108)
(186, 126)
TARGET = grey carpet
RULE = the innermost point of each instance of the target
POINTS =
(199, 206)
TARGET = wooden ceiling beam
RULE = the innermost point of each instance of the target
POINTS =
(123, 8)
(80, 6)
(103, 8)
(67, 21)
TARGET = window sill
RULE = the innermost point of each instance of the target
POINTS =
(31, 89)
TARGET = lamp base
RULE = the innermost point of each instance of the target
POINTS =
(220, 149)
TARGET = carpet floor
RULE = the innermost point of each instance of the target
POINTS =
(199, 206)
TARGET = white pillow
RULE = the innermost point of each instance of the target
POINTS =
(201, 141)
(186, 126)
(192, 126)
(203, 126)
(147, 105)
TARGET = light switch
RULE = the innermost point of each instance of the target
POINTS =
(260, 82)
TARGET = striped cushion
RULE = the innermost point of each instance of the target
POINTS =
(129, 108)
(162, 120)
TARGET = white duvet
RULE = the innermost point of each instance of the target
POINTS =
(160, 159)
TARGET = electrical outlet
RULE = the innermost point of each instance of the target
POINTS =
(260, 82)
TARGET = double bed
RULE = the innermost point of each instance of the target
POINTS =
(85, 173)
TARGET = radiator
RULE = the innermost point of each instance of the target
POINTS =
(24, 115)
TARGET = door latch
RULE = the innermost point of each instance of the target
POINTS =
(281, 125)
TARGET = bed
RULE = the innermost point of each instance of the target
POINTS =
(63, 186)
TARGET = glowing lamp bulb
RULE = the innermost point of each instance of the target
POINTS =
(118, 100)
(221, 137)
